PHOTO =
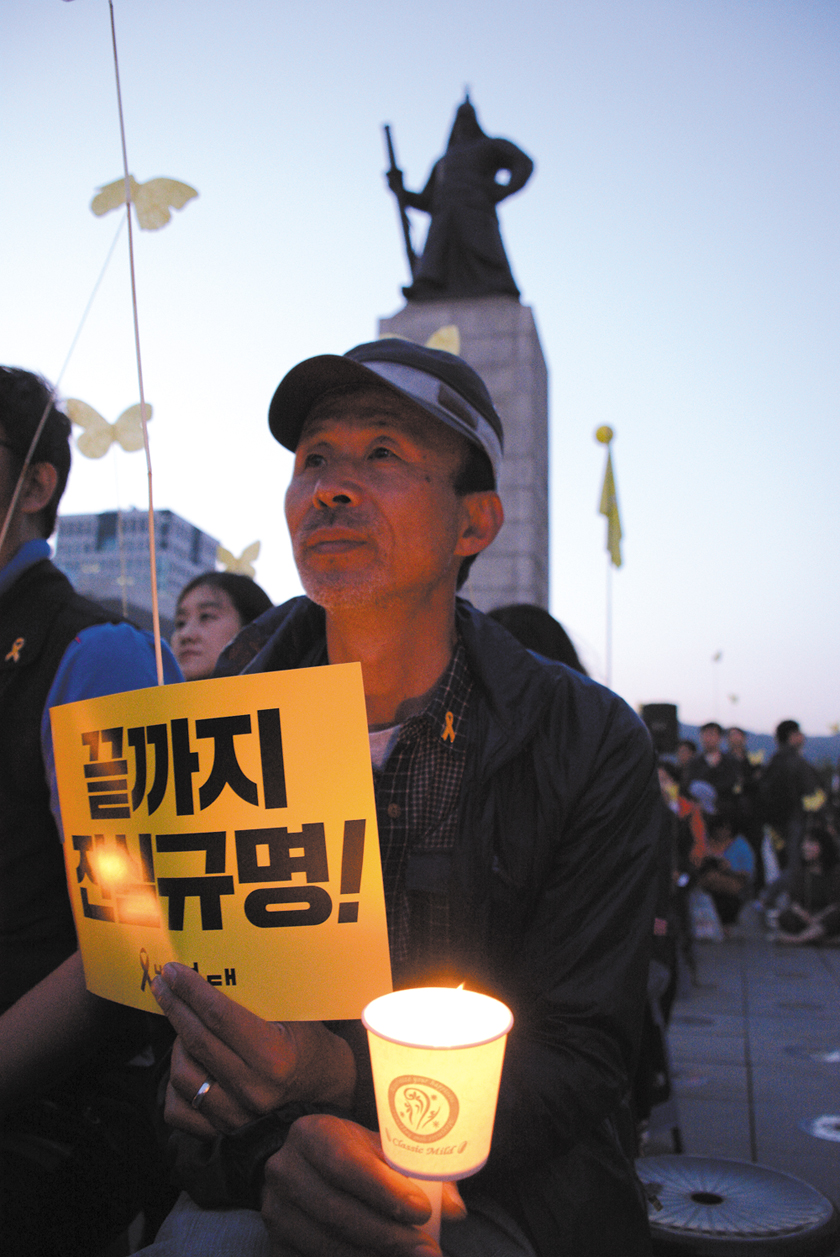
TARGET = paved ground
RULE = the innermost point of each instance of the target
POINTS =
(755, 1051)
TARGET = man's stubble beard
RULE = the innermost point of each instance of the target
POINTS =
(341, 590)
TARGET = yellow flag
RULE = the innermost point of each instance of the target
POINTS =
(609, 507)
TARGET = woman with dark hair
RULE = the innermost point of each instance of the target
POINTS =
(211, 610)
(814, 889)
(540, 632)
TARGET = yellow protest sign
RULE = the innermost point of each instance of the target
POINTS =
(229, 824)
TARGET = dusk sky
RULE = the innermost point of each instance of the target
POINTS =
(678, 245)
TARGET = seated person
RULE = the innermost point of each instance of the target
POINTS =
(814, 890)
(518, 818)
(689, 847)
(211, 610)
(691, 843)
(727, 871)
(535, 628)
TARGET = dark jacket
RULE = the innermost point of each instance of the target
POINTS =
(787, 779)
(554, 875)
(40, 614)
(725, 776)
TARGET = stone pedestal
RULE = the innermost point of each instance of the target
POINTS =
(499, 340)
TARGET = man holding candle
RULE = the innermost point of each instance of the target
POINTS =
(517, 811)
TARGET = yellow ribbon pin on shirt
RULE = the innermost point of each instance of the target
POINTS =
(17, 646)
(448, 729)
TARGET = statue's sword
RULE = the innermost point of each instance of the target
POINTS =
(406, 225)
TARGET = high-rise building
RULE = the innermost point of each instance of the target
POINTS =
(107, 559)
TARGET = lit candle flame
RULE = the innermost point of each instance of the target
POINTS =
(113, 867)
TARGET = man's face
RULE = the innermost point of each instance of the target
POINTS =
(38, 489)
(709, 738)
(719, 838)
(371, 508)
(9, 470)
(737, 741)
(9, 464)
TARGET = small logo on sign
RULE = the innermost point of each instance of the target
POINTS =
(425, 1110)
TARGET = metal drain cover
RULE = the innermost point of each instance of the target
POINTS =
(713, 1197)
(823, 1056)
(826, 1127)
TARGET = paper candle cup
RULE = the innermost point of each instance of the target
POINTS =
(436, 1054)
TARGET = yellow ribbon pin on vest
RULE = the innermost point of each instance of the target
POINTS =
(448, 729)
(17, 646)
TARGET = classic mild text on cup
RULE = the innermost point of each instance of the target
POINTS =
(436, 1054)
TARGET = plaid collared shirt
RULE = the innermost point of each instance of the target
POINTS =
(416, 808)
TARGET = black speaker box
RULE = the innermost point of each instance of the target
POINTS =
(661, 720)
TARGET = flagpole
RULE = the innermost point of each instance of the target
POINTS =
(609, 622)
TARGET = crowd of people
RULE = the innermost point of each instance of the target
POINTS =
(517, 812)
(527, 850)
(749, 831)
(736, 835)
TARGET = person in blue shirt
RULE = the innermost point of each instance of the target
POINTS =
(56, 1039)
(727, 872)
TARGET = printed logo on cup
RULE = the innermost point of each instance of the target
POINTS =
(425, 1110)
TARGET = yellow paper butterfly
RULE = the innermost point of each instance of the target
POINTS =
(814, 802)
(151, 200)
(241, 566)
(99, 434)
(448, 338)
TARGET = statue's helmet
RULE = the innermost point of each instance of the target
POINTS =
(465, 128)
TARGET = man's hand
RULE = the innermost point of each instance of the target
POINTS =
(329, 1193)
(255, 1065)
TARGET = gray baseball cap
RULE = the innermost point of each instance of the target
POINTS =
(440, 383)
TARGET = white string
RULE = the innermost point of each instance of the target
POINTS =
(143, 408)
(42, 421)
(121, 542)
(87, 308)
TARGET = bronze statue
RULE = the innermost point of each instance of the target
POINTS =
(463, 255)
